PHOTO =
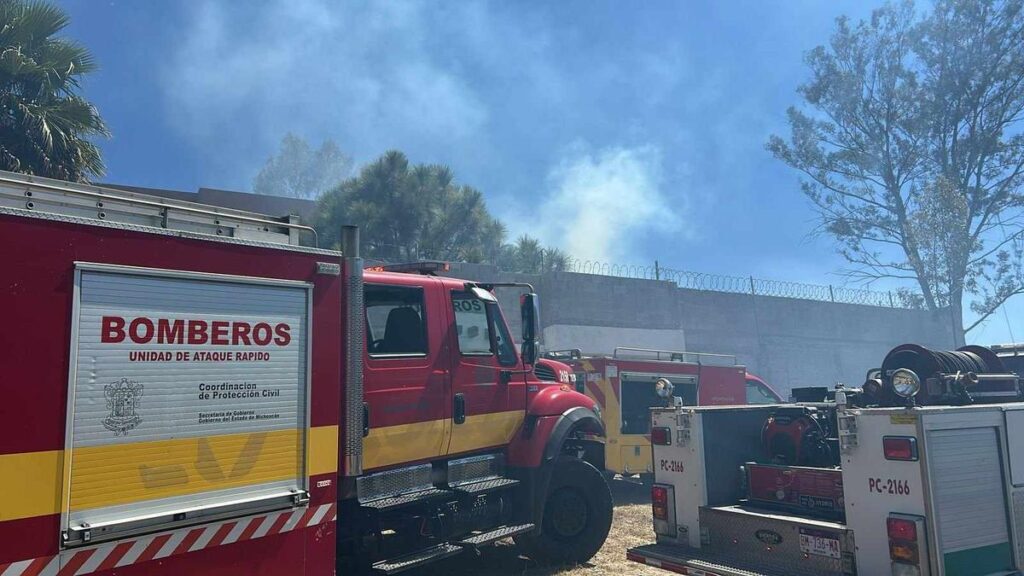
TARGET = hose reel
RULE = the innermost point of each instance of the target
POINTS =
(913, 374)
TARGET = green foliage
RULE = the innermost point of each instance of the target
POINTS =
(298, 171)
(529, 256)
(45, 125)
(911, 148)
(412, 212)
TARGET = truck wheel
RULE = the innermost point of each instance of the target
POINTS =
(577, 515)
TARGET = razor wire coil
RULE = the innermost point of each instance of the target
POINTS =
(744, 284)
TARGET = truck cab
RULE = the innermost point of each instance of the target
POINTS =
(458, 426)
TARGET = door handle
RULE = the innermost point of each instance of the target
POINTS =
(366, 419)
(460, 409)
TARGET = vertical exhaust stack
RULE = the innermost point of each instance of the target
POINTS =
(355, 337)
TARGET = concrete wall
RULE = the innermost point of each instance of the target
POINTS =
(788, 342)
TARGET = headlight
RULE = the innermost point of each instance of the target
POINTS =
(905, 382)
(663, 387)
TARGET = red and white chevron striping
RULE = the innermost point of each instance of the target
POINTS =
(124, 552)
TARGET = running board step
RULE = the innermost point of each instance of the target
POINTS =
(392, 502)
(416, 559)
(484, 486)
(485, 538)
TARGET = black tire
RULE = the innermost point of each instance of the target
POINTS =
(577, 516)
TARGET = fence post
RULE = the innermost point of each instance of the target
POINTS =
(657, 271)
(891, 304)
(831, 294)
(752, 292)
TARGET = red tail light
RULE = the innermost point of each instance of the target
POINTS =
(907, 543)
(899, 447)
(901, 529)
(659, 502)
(663, 505)
(659, 494)
(661, 436)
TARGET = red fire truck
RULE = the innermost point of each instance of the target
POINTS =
(189, 390)
(625, 387)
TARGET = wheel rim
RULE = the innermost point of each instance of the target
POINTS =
(568, 513)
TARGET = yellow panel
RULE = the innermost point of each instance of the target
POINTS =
(634, 463)
(323, 450)
(120, 474)
(613, 457)
(614, 438)
(484, 430)
(30, 484)
(403, 443)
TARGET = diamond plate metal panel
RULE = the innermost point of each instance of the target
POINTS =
(475, 468)
(355, 347)
(394, 482)
(773, 541)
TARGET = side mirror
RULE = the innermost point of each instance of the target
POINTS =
(529, 308)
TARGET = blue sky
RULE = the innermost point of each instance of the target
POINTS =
(623, 132)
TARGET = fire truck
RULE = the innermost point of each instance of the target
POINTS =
(196, 390)
(918, 472)
(625, 387)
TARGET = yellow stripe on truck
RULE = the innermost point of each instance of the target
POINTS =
(109, 475)
(403, 443)
(485, 430)
(419, 441)
(30, 482)
(323, 450)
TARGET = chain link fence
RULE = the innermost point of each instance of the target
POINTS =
(748, 284)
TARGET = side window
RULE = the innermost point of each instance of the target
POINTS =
(471, 325)
(503, 341)
(758, 394)
(481, 330)
(395, 323)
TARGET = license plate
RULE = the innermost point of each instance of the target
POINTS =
(819, 544)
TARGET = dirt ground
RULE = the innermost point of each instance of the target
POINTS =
(631, 526)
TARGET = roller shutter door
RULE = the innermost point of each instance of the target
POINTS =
(970, 503)
(189, 399)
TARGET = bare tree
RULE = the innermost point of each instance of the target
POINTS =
(912, 153)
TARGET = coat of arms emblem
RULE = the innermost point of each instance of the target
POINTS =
(122, 399)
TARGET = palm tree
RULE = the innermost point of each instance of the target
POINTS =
(44, 123)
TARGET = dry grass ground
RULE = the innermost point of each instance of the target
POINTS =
(631, 526)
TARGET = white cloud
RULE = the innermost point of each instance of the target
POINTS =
(367, 75)
(604, 204)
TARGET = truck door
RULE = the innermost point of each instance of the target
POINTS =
(487, 405)
(406, 380)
